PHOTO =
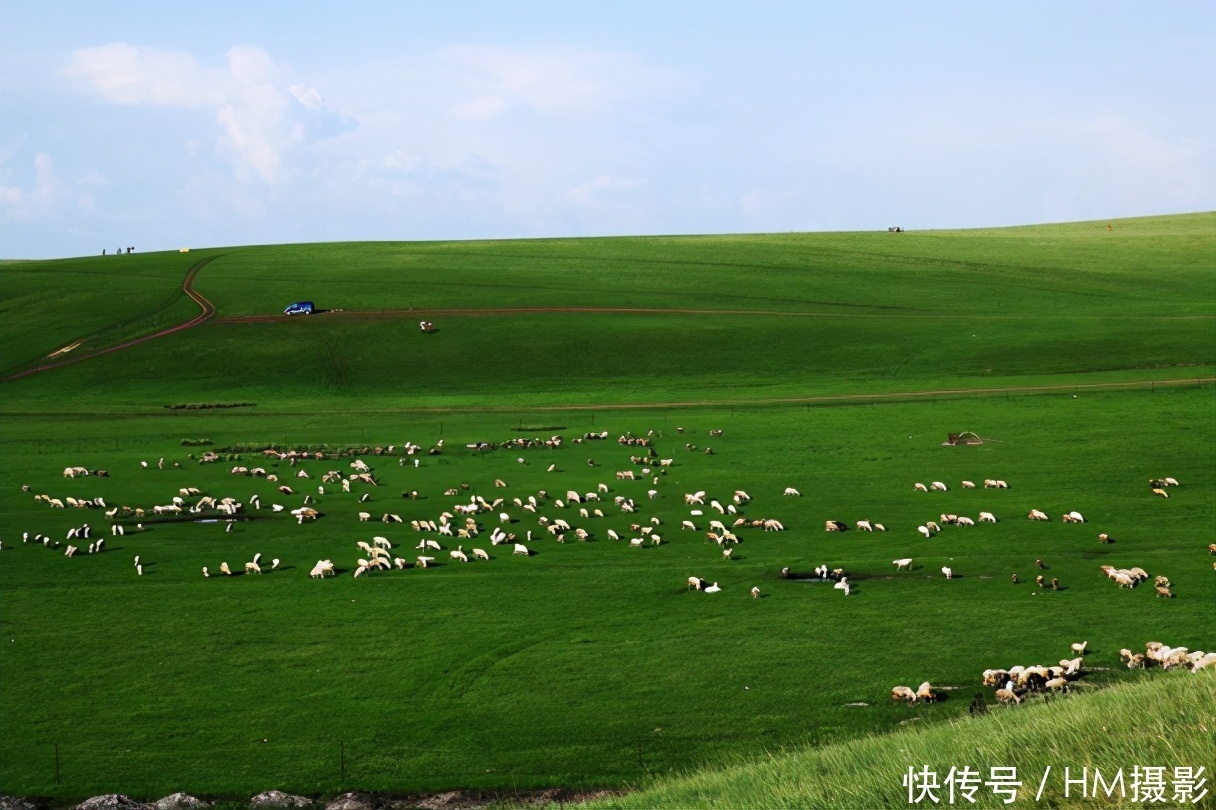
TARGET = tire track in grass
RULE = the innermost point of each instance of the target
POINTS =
(187, 287)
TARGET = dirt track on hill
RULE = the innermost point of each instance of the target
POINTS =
(422, 314)
(208, 312)
(187, 287)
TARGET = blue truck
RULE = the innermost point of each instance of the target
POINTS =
(300, 308)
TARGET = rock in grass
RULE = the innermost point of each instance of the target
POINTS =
(180, 801)
(351, 801)
(277, 798)
(111, 801)
(16, 803)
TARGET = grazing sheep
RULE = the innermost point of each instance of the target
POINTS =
(792, 491)
(1161, 492)
(842, 585)
(755, 592)
(1055, 584)
(1039, 580)
(523, 550)
(1164, 590)
(696, 583)
(903, 693)
(252, 568)
(901, 564)
(423, 562)
(1079, 647)
(224, 569)
(865, 526)
(924, 531)
(968, 485)
(139, 569)
(1035, 514)
(1007, 696)
(1073, 517)
(1013, 578)
(711, 588)
(938, 486)
(458, 554)
(949, 572)
(919, 487)
(481, 554)
(925, 692)
(322, 569)
(834, 526)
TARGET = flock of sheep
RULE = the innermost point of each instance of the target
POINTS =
(554, 518)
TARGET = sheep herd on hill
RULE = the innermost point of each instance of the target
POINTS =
(460, 522)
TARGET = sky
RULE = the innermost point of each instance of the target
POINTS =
(168, 124)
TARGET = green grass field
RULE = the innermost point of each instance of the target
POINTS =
(590, 664)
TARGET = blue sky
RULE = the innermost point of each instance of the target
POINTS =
(167, 124)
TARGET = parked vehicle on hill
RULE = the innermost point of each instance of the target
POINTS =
(300, 308)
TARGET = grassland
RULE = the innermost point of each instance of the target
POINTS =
(589, 663)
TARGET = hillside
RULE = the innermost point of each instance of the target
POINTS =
(1163, 721)
(751, 364)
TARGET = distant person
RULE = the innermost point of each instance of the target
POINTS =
(103, 251)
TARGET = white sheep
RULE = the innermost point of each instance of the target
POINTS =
(522, 549)
(938, 486)
(919, 487)
(948, 571)
(711, 588)
(792, 491)
(481, 554)
(987, 517)
(903, 563)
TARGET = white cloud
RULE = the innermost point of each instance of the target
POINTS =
(39, 199)
(260, 112)
(125, 74)
(588, 192)
(557, 79)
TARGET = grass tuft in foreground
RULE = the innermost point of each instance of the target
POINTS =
(1167, 719)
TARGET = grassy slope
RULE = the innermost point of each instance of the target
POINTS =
(1166, 721)
(868, 312)
(173, 681)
